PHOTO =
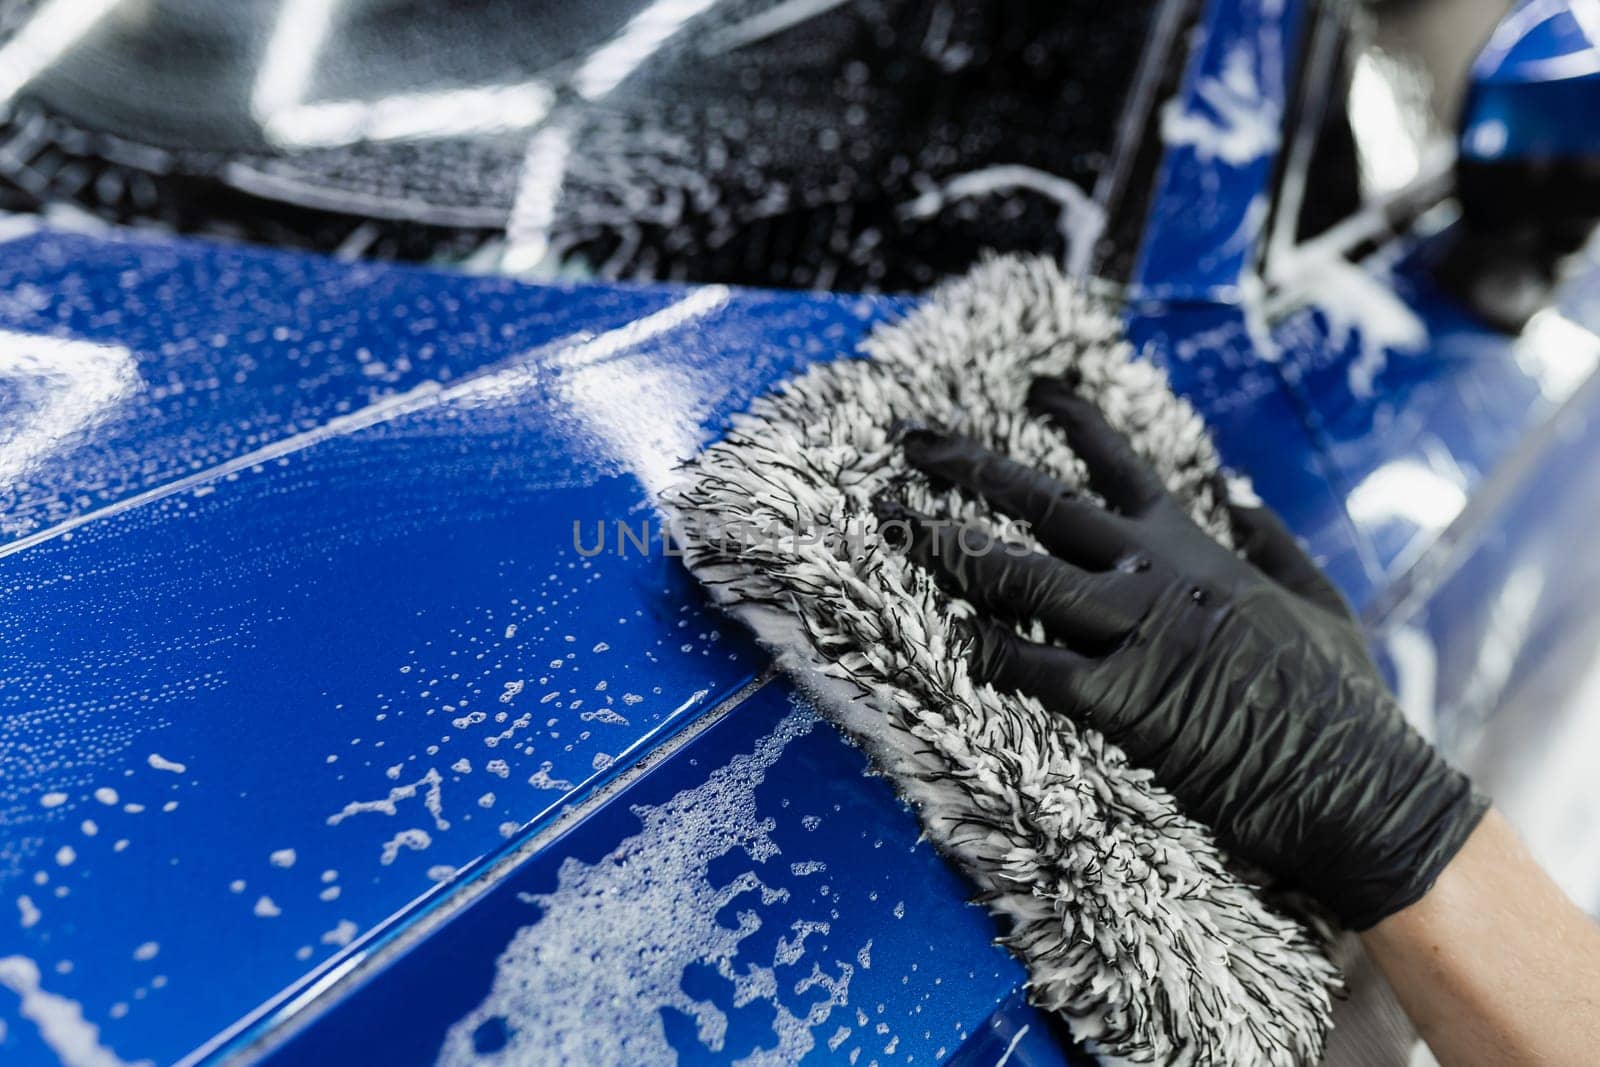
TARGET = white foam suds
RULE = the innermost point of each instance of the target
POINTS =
(789, 952)
(29, 912)
(432, 800)
(511, 691)
(498, 767)
(66, 855)
(266, 909)
(236, 886)
(74, 1040)
(1080, 219)
(284, 858)
(146, 951)
(53, 800)
(161, 763)
(588, 982)
(89, 828)
(414, 839)
(521, 722)
(340, 935)
(106, 795)
(1239, 122)
(541, 779)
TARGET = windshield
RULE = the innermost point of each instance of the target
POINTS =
(812, 143)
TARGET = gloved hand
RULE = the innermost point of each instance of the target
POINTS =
(1244, 684)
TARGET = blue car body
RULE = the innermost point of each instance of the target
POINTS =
(338, 714)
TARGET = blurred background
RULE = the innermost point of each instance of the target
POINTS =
(802, 143)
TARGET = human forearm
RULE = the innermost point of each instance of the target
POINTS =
(1494, 964)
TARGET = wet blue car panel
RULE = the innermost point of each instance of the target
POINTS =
(144, 361)
(1417, 403)
(1222, 135)
(265, 710)
(1510, 595)
(752, 892)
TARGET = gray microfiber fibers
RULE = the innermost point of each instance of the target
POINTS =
(1130, 924)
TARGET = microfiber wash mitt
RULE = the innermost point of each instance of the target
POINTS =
(1130, 922)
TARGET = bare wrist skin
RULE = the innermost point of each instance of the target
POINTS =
(1494, 964)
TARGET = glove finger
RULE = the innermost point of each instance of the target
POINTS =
(1057, 677)
(1090, 611)
(1116, 472)
(1065, 523)
(1271, 547)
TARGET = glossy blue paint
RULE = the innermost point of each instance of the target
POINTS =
(209, 357)
(302, 633)
(1418, 402)
(853, 930)
(1222, 136)
(1495, 635)
(1535, 87)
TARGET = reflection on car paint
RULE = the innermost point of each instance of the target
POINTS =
(271, 693)
(753, 897)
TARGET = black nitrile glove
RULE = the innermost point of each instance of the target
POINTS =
(1245, 686)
